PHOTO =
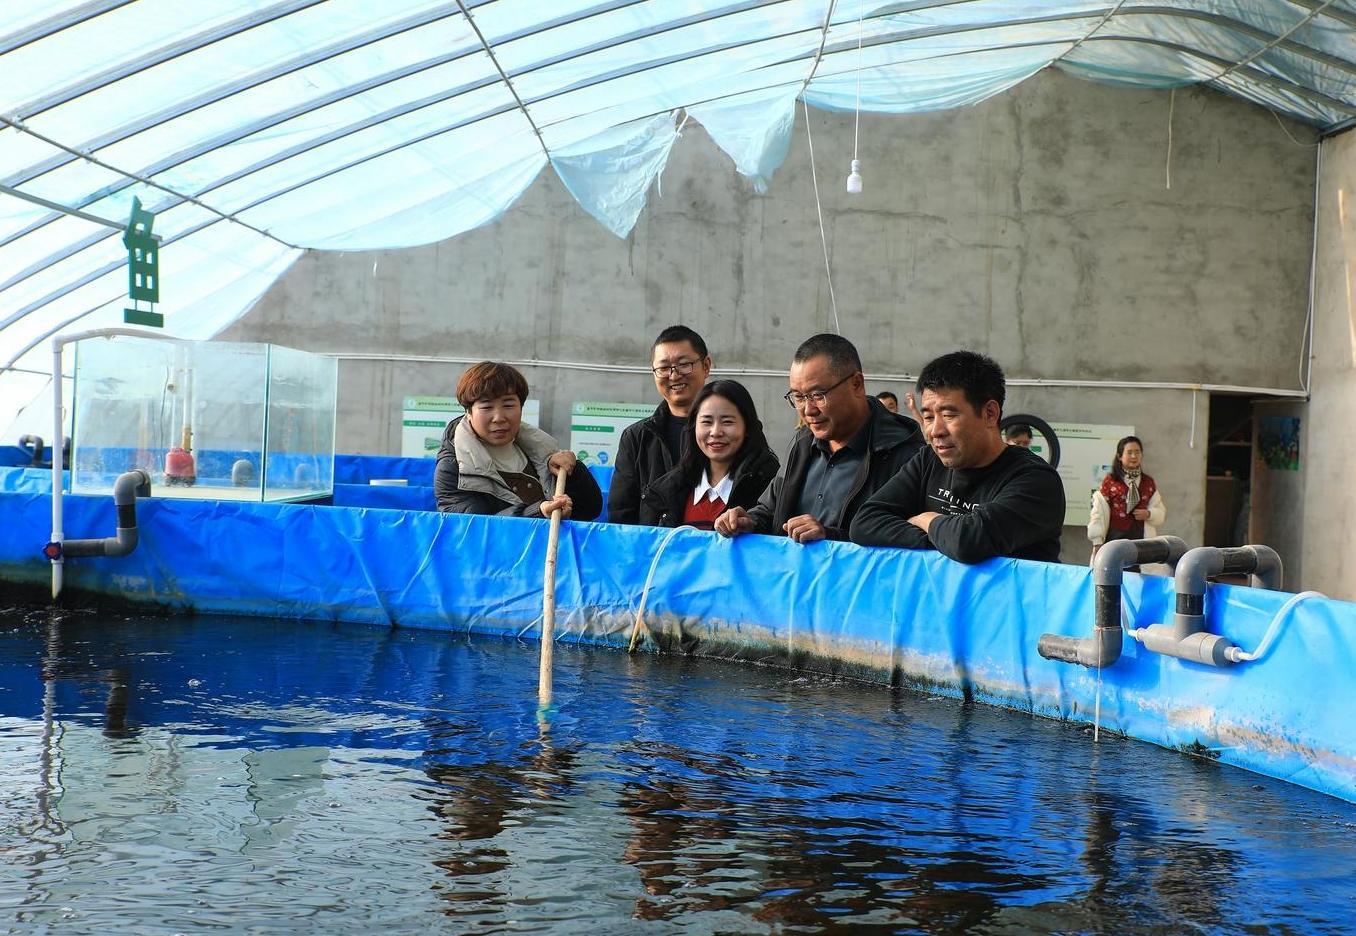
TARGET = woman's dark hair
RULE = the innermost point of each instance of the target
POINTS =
(490, 380)
(1117, 471)
(694, 461)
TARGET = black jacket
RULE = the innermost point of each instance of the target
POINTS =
(895, 440)
(1013, 506)
(452, 497)
(663, 502)
(642, 457)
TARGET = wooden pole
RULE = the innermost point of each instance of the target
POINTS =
(548, 611)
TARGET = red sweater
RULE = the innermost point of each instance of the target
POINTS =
(703, 514)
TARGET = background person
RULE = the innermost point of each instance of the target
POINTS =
(888, 400)
(726, 462)
(490, 462)
(650, 448)
(1018, 434)
(849, 446)
(970, 496)
(1128, 504)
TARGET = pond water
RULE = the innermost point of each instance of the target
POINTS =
(180, 774)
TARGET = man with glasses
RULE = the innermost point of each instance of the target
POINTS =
(650, 448)
(849, 446)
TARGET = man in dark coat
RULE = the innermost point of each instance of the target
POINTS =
(650, 448)
(849, 446)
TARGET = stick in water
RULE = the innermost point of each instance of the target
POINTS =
(548, 612)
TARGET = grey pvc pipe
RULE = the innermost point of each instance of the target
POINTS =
(1260, 563)
(242, 472)
(125, 490)
(38, 446)
(1103, 648)
(1186, 637)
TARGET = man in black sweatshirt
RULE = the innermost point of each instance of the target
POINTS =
(970, 496)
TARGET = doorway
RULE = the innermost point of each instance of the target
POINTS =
(1228, 470)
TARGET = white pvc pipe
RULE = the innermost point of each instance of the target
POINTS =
(781, 374)
(58, 436)
(57, 466)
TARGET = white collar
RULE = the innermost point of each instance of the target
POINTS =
(711, 491)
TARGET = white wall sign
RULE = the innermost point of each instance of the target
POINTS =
(1086, 451)
(596, 428)
(425, 417)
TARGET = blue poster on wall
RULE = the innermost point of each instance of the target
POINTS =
(1278, 440)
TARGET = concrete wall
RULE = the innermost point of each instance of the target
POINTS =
(1329, 451)
(1035, 226)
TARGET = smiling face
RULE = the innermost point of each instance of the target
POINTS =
(1132, 456)
(677, 388)
(962, 436)
(720, 431)
(844, 409)
(496, 420)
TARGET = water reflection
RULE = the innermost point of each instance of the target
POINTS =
(478, 802)
(399, 778)
(62, 662)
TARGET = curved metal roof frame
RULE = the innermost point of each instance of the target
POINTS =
(644, 59)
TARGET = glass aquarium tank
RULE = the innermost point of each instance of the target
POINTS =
(209, 420)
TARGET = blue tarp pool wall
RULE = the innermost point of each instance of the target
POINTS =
(892, 616)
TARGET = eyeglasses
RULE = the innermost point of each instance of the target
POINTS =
(817, 397)
(679, 369)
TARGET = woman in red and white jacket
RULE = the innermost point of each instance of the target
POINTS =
(1128, 504)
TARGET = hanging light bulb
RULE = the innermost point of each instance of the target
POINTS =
(854, 180)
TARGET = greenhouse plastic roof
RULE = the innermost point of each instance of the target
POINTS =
(255, 129)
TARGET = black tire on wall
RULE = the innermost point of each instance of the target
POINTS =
(1037, 425)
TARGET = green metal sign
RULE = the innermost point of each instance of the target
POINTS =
(143, 268)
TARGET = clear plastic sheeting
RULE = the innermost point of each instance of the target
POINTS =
(257, 128)
(610, 174)
(753, 129)
(888, 616)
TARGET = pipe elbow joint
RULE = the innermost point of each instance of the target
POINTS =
(1268, 571)
(1112, 560)
(130, 485)
(1103, 648)
(1118, 555)
(126, 488)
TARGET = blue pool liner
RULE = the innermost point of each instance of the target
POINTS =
(894, 616)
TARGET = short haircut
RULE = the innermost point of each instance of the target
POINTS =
(676, 333)
(490, 380)
(843, 357)
(887, 395)
(977, 376)
(1015, 430)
